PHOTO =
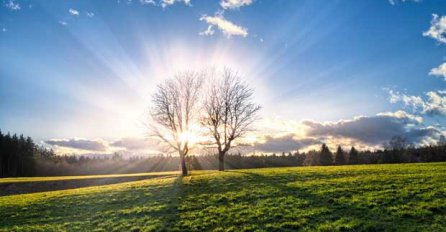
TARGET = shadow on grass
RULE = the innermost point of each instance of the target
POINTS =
(286, 202)
(45, 186)
(239, 201)
(136, 208)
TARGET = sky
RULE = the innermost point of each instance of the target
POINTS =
(78, 75)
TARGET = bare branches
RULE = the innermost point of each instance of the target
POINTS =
(175, 105)
(228, 110)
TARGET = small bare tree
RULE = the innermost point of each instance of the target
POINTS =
(228, 112)
(174, 110)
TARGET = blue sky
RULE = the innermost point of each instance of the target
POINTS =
(86, 69)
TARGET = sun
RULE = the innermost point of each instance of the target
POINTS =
(189, 137)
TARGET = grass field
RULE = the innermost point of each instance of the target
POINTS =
(404, 197)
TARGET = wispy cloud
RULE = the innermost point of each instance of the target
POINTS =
(235, 4)
(63, 23)
(439, 71)
(147, 2)
(208, 32)
(394, 2)
(73, 12)
(228, 28)
(437, 29)
(12, 5)
(89, 14)
(166, 3)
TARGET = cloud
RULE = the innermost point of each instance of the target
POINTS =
(208, 32)
(235, 4)
(12, 5)
(373, 130)
(165, 3)
(83, 144)
(439, 71)
(394, 2)
(284, 143)
(63, 23)
(363, 132)
(89, 14)
(134, 144)
(436, 103)
(228, 28)
(437, 29)
(73, 12)
(433, 104)
(124, 146)
(147, 2)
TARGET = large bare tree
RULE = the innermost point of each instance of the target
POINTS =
(229, 111)
(175, 107)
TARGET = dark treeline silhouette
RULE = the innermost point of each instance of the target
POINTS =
(20, 156)
(16, 155)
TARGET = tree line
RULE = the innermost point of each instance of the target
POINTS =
(20, 156)
(17, 155)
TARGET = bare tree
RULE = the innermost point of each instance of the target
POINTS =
(228, 112)
(174, 110)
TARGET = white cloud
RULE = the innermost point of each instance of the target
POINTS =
(63, 23)
(402, 115)
(165, 3)
(394, 2)
(235, 4)
(433, 104)
(89, 14)
(228, 28)
(147, 2)
(73, 12)
(208, 32)
(436, 103)
(413, 101)
(439, 71)
(12, 5)
(437, 30)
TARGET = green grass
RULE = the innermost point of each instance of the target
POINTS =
(405, 197)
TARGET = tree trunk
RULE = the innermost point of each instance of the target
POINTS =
(183, 164)
(221, 161)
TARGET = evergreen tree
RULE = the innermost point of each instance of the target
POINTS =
(339, 156)
(326, 157)
(353, 156)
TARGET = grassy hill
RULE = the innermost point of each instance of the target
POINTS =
(402, 197)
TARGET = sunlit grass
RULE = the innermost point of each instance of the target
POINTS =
(403, 197)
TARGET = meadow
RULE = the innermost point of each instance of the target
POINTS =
(392, 197)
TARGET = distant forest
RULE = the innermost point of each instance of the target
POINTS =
(20, 156)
